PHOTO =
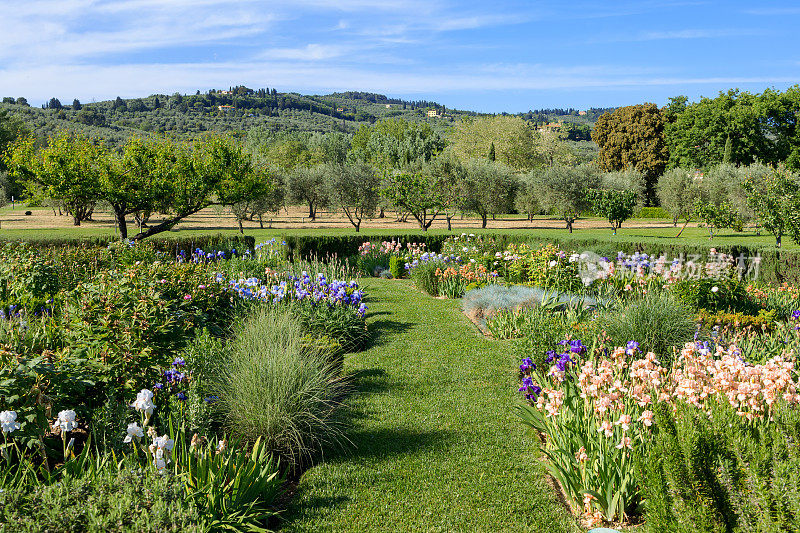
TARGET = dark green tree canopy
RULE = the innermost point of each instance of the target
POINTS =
(633, 136)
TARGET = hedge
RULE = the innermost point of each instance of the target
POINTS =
(171, 245)
(776, 266)
(322, 246)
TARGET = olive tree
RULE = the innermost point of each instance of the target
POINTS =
(489, 188)
(562, 190)
(354, 188)
(677, 192)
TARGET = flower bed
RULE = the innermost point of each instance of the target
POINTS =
(594, 408)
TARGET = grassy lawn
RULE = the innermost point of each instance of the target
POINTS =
(436, 446)
(659, 233)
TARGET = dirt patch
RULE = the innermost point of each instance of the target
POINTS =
(215, 219)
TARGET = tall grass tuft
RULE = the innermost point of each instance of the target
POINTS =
(331, 267)
(278, 387)
(658, 322)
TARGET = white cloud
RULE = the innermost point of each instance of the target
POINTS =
(103, 82)
(310, 52)
(684, 34)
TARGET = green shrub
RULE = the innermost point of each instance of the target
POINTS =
(719, 472)
(111, 500)
(657, 322)
(274, 387)
(763, 322)
(424, 277)
(652, 212)
(714, 295)
(341, 246)
(396, 267)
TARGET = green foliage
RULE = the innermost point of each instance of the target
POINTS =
(716, 216)
(616, 206)
(396, 267)
(417, 193)
(763, 322)
(70, 170)
(424, 277)
(749, 127)
(339, 323)
(547, 267)
(775, 200)
(561, 190)
(488, 188)
(342, 246)
(628, 179)
(711, 294)
(354, 188)
(234, 490)
(273, 387)
(719, 472)
(657, 322)
(677, 193)
(111, 500)
(633, 136)
(514, 141)
(651, 213)
(395, 143)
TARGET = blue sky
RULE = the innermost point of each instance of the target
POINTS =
(494, 56)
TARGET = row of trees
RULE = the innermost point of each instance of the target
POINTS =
(736, 127)
(149, 176)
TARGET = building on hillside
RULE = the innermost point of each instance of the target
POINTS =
(581, 113)
(388, 106)
(340, 109)
(225, 107)
(433, 113)
(551, 126)
(225, 92)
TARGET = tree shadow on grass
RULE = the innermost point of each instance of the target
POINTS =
(382, 331)
(384, 442)
(367, 381)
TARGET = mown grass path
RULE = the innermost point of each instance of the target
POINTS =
(436, 446)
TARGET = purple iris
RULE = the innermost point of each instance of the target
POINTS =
(551, 355)
(796, 315)
(561, 364)
(576, 346)
(527, 383)
(631, 348)
(527, 365)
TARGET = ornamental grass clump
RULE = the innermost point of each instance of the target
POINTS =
(658, 322)
(277, 387)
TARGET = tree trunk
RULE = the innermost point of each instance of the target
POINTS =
(76, 221)
(312, 213)
(449, 225)
(674, 222)
(241, 228)
(357, 225)
(381, 214)
(483, 220)
(260, 221)
(122, 224)
(778, 240)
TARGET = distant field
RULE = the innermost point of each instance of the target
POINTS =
(43, 224)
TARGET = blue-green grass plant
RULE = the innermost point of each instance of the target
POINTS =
(274, 386)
